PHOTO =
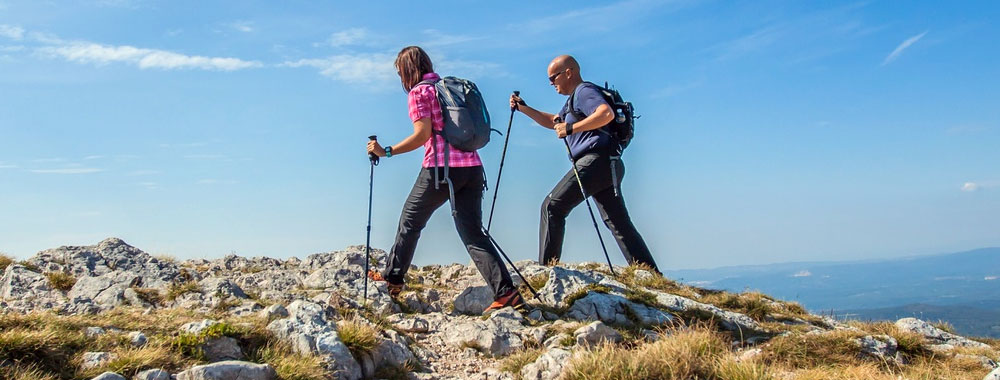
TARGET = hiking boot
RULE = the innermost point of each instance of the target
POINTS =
(511, 299)
(394, 289)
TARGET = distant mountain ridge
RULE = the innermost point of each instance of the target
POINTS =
(956, 279)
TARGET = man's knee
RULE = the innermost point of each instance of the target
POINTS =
(553, 208)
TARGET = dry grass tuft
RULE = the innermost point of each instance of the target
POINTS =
(22, 371)
(696, 353)
(359, 336)
(5, 261)
(177, 289)
(514, 362)
(814, 350)
(61, 280)
(289, 365)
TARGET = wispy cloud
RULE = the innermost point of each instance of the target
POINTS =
(68, 171)
(363, 68)
(94, 157)
(48, 160)
(85, 52)
(899, 49)
(149, 185)
(748, 43)
(352, 36)
(973, 186)
(4, 165)
(241, 26)
(183, 145)
(12, 32)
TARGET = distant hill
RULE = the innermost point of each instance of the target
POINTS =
(965, 280)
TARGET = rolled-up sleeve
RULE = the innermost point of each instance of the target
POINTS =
(420, 103)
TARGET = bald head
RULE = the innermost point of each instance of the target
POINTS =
(564, 62)
(564, 74)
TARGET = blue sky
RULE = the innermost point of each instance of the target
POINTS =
(771, 130)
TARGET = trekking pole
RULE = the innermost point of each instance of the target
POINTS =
(368, 247)
(592, 218)
(496, 188)
(504, 254)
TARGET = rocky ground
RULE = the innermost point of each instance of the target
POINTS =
(112, 311)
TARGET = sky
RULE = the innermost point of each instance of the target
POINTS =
(770, 131)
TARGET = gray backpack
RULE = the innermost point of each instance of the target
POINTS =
(466, 122)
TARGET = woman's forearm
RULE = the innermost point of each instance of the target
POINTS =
(421, 132)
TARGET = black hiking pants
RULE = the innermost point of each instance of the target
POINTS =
(596, 176)
(469, 183)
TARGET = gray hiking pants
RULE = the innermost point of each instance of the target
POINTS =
(469, 183)
(595, 173)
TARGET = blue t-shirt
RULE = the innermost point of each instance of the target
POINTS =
(585, 101)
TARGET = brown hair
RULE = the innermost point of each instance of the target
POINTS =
(411, 64)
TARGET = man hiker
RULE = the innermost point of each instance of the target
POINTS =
(416, 73)
(593, 151)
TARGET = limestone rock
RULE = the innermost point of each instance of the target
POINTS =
(308, 331)
(548, 366)
(152, 374)
(995, 375)
(95, 359)
(25, 290)
(106, 290)
(109, 376)
(274, 312)
(473, 300)
(222, 348)
(596, 333)
(616, 309)
(229, 370)
(935, 335)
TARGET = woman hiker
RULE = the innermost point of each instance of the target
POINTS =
(466, 171)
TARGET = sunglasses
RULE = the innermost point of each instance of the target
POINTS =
(552, 78)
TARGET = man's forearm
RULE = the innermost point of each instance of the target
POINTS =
(542, 118)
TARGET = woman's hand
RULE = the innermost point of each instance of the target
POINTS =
(374, 147)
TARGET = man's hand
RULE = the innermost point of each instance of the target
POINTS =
(516, 101)
(374, 147)
(560, 129)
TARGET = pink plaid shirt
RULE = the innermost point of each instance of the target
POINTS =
(423, 103)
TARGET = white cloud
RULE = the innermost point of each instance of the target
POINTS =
(11, 48)
(11, 32)
(205, 156)
(973, 186)
(899, 49)
(242, 26)
(803, 273)
(85, 52)
(4, 165)
(353, 36)
(364, 68)
(600, 18)
(48, 160)
(94, 157)
(143, 172)
(149, 185)
(68, 171)
(990, 278)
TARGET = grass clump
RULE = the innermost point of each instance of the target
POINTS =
(178, 289)
(29, 266)
(359, 337)
(695, 353)
(129, 361)
(814, 350)
(755, 305)
(514, 362)
(61, 280)
(570, 299)
(148, 295)
(5, 261)
(290, 365)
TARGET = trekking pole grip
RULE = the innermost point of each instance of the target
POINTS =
(516, 93)
(371, 156)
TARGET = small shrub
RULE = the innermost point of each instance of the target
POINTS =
(61, 280)
(570, 299)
